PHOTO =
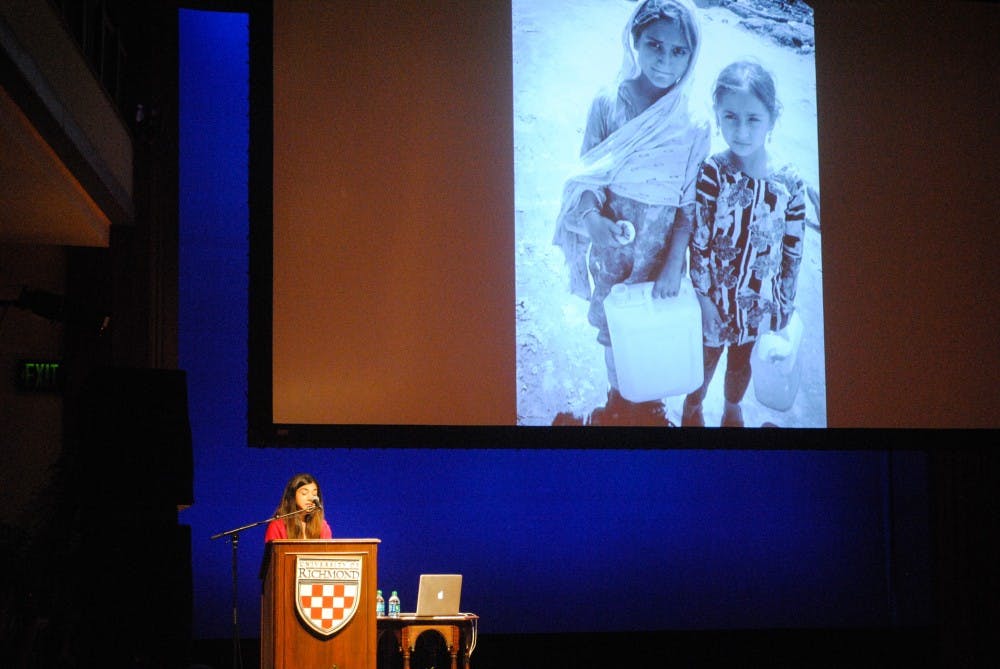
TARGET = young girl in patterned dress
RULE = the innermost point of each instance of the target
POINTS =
(630, 200)
(746, 248)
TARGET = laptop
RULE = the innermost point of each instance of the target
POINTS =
(439, 594)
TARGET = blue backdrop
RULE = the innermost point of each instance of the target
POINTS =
(548, 541)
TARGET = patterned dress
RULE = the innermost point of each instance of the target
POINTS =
(746, 249)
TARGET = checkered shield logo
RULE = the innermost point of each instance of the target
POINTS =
(327, 590)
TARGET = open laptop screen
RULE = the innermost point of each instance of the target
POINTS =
(439, 594)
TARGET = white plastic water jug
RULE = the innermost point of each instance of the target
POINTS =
(656, 342)
(777, 366)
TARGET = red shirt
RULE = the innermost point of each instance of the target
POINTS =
(276, 530)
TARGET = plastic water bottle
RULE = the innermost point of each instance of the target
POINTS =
(379, 604)
(394, 605)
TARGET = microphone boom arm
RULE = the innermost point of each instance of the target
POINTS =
(235, 540)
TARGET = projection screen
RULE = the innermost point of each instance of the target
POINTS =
(407, 167)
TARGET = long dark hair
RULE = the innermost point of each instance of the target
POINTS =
(313, 520)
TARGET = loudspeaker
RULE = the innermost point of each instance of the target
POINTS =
(129, 559)
(133, 426)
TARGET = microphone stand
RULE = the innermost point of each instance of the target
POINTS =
(234, 540)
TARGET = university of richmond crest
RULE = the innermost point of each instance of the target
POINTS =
(327, 590)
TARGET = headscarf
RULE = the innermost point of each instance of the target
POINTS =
(640, 160)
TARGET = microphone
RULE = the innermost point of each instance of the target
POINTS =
(315, 502)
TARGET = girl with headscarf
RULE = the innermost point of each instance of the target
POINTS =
(630, 199)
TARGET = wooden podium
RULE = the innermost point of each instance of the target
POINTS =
(318, 604)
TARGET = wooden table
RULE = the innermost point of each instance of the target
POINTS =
(459, 634)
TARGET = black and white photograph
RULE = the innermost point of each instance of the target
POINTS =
(625, 114)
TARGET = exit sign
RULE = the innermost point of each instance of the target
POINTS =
(40, 376)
